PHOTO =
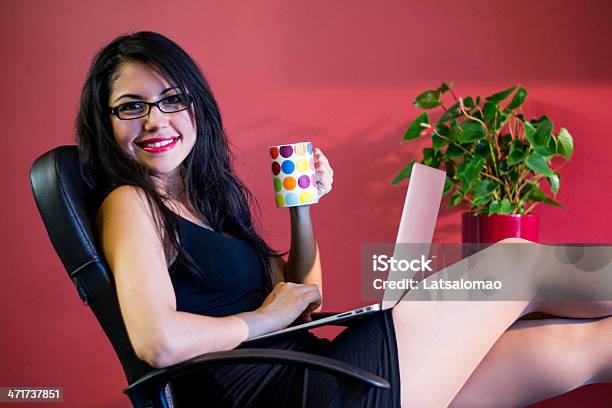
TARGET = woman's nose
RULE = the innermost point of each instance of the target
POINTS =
(156, 119)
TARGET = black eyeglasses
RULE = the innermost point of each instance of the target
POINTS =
(140, 109)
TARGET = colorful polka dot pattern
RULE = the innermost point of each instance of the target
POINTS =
(278, 184)
(294, 174)
(304, 181)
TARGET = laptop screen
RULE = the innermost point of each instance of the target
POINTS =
(418, 220)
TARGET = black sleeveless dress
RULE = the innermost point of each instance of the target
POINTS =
(232, 280)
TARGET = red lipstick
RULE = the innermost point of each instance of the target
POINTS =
(158, 144)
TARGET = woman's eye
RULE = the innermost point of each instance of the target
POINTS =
(130, 107)
(174, 99)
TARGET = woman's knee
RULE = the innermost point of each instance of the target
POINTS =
(514, 240)
(600, 338)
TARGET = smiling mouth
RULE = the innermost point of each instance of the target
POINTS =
(158, 145)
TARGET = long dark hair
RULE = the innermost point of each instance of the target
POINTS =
(211, 185)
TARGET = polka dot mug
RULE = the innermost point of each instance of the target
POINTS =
(294, 174)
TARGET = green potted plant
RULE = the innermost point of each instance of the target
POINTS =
(496, 160)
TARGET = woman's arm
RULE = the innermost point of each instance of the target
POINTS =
(159, 334)
(136, 258)
(303, 264)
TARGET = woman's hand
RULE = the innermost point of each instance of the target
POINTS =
(323, 172)
(284, 305)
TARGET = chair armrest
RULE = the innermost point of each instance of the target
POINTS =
(149, 389)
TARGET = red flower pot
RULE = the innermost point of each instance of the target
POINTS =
(482, 228)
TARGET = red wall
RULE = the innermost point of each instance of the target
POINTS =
(342, 75)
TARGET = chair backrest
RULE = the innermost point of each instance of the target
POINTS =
(68, 208)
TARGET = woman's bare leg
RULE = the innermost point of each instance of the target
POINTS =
(538, 359)
(440, 343)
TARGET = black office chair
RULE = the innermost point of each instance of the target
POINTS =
(68, 209)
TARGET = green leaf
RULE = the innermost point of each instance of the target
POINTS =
(415, 128)
(545, 126)
(513, 176)
(483, 188)
(490, 111)
(473, 168)
(472, 132)
(483, 200)
(461, 169)
(535, 194)
(554, 183)
(448, 185)
(518, 99)
(431, 157)
(500, 96)
(493, 117)
(505, 207)
(525, 191)
(428, 100)
(502, 118)
(505, 141)
(453, 151)
(549, 149)
(403, 174)
(453, 131)
(470, 172)
(451, 113)
(517, 154)
(494, 207)
(455, 199)
(503, 166)
(538, 165)
(565, 145)
(543, 136)
(536, 121)
(438, 142)
(449, 166)
(446, 87)
(482, 149)
(442, 129)
(468, 102)
(538, 139)
(530, 130)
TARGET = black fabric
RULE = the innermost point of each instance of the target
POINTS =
(232, 277)
(233, 282)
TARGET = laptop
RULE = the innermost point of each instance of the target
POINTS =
(416, 227)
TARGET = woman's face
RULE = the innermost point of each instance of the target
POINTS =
(160, 141)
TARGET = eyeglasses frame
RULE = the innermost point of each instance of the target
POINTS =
(115, 110)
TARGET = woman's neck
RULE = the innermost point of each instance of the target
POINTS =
(172, 190)
(171, 187)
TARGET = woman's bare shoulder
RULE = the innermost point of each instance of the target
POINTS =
(124, 198)
(125, 220)
(125, 205)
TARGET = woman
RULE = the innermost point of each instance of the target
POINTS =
(193, 276)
